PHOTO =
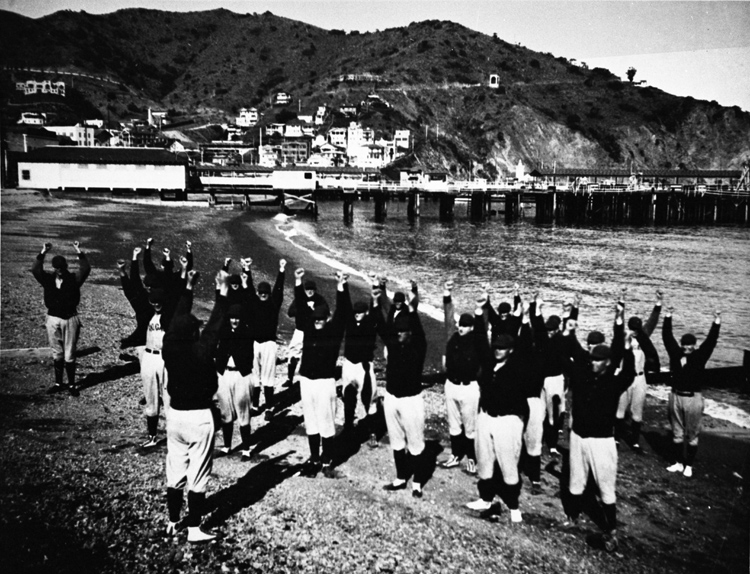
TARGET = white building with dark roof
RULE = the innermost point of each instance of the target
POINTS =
(101, 168)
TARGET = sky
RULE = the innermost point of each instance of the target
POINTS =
(694, 48)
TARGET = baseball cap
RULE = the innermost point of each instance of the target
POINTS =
(595, 338)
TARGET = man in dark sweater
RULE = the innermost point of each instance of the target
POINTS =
(503, 411)
(234, 363)
(312, 301)
(320, 351)
(687, 363)
(62, 293)
(403, 404)
(596, 390)
(466, 351)
(263, 310)
(358, 369)
(189, 357)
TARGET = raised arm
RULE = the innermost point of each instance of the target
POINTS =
(449, 310)
(148, 264)
(37, 269)
(670, 344)
(618, 336)
(277, 295)
(708, 345)
(84, 267)
(653, 318)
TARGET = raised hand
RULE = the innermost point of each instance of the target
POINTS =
(167, 253)
(149, 242)
(299, 273)
(188, 246)
(282, 264)
(136, 252)
(77, 246)
(46, 247)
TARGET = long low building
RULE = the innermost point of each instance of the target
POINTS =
(101, 168)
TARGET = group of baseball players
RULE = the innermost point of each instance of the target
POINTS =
(513, 379)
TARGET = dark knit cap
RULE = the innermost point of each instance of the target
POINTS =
(319, 313)
(503, 341)
(688, 339)
(635, 324)
(399, 297)
(264, 287)
(553, 323)
(360, 307)
(600, 353)
(59, 262)
(310, 286)
(234, 311)
(503, 307)
(157, 296)
(466, 320)
(234, 279)
(595, 338)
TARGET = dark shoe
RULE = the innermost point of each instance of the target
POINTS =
(330, 472)
(637, 449)
(73, 390)
(269, 414)
(536, 488)
(390, 487)
(493, 513)
(373, 442)
(417, 492)
(57, 388)
(310, 468)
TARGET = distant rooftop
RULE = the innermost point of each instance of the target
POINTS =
(101, 155)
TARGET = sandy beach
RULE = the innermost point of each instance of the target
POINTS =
(79, 495)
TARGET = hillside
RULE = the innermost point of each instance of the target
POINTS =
(434, 74)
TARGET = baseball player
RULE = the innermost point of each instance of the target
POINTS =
(62, 293)
(264, 306)
(596, 385)
(189, 357)
(234, 364)
(320, 351)
(646, 360)
(687, 361)
(403, 404)
(358, 369)
(503, 411)
(312, 300)
(465, 352)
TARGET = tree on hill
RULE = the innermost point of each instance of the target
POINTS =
(631, 74)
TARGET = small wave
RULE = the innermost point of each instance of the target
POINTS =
(288, 234)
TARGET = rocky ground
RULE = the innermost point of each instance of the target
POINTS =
(79, 495)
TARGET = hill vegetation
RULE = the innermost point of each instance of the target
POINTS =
(434, 74)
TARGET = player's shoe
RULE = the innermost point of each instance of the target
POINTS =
(395, 485)
(452, 462)
(688, 472)
(515, 515)
(172, 528)
(196, 535)
(151, 442)
(471, 466)
(373, 441)
(479, 504)
(416, 490)
(73, 390)
(676, 467)
(610, 541)
(536, 488)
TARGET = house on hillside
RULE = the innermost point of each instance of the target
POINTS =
(337, 136)
(81, 135)
(348, 109)
(402, 139)
(282, 99)
(328, 154)
(320, 115)
(494, 81)
(33, 118)
(248, 117)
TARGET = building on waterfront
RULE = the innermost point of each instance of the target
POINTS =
(33, 118)
(101, 168)
(248, 117)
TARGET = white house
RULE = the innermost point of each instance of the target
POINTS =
(320, 115)
(282, 99)
(248, 117)
(82, 135)
(33, 118)
(402, 139)
(101, 168)
(337, 136)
